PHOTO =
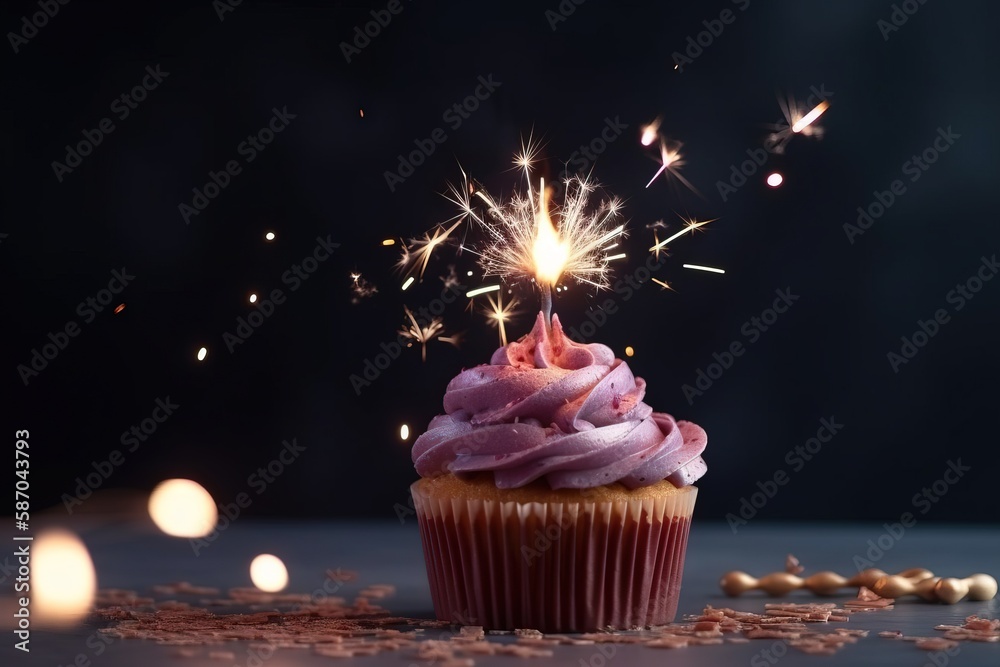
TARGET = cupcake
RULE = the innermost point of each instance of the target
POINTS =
(551, 496)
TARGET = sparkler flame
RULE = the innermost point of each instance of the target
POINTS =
(549, 253)
(524, 241)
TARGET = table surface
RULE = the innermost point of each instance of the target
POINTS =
(390, 553)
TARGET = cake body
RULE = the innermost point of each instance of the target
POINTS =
(552, 497)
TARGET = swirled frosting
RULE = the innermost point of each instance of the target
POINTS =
(547, 406)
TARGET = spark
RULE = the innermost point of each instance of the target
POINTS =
(253, 298)
(629, 351)
(419, 252)
(649, 132)
(671, 161)
(498, 313)
(362, 111)
(388, 242)
(361, 288)
(614, 257)
(119, 308)
(408, 282)
(482, 290)
(528, 156)
(775, 179)
(451, 280)
(703, 268)
(404, 432)
(269, 236)
(690, 225)
(663, 284)
(202, 353)
(807, 120)
(795, 122)
(426, 334)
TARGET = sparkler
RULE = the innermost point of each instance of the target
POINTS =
(523, 241)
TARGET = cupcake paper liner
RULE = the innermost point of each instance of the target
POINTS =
(556, 566)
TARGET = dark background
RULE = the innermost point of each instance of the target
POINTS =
(324, 175)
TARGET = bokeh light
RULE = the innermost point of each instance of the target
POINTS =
(183, 508)
(775, 179)
(63, 581)
(202, 353)
(268, 573)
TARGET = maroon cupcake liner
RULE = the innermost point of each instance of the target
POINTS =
(555, 566)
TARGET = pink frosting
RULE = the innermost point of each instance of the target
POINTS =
(548, 406)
